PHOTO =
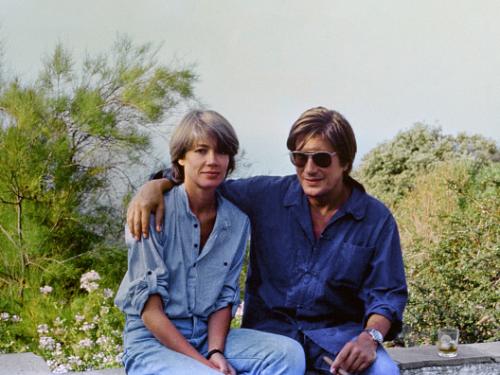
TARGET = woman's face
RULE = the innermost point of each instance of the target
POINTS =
(204, 166)
(317, 182)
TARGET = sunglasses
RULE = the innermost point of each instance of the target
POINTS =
(322, 159)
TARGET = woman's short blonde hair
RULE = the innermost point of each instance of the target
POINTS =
(195, 126)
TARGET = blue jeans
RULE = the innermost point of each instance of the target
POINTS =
(249, 351)
(383, 365)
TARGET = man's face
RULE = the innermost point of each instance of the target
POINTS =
(320, 183)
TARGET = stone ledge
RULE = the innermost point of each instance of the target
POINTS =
(472, 359)
(426, 356)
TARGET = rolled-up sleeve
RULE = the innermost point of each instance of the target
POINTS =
(230, 293)
(384, 291)
(146, 274)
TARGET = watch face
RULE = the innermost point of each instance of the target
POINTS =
(376, 335)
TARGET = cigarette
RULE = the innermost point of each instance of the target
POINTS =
(330, 362)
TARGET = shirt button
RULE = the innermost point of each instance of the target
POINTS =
(307, 278)
(195, 245)
(196, 225)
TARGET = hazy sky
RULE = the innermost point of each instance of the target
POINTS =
(384, 64)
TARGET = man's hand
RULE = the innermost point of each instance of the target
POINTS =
(356, 355)
(148, 199)
(222, 364)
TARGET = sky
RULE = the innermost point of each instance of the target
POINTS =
(383, 64)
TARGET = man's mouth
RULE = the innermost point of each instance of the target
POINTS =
(312, 179)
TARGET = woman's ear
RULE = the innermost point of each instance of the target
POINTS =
(181, 162)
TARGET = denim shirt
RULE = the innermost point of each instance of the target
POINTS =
(323, 288)
(168, 263)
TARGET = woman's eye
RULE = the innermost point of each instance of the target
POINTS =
(201, 150)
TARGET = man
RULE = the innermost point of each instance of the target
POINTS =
(325, 261)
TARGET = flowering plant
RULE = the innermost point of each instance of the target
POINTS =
(77, 336)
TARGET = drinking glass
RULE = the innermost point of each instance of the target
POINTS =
(447, 343)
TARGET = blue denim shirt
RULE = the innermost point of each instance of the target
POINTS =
(323, 288)
(168, 263)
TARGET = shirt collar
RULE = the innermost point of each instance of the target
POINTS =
(355, 205)
(223, 220)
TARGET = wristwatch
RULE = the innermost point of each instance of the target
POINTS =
(375, 334)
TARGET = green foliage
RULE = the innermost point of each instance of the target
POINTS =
(390, 169)
(450, 233)
(75, 334)
(63, 140)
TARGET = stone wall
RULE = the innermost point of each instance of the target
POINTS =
(472, 359)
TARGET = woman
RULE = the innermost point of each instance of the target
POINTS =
(181, 287)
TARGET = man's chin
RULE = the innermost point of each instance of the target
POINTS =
(313, 192)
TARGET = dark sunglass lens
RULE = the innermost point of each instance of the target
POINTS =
(299, 159)
(322, 159)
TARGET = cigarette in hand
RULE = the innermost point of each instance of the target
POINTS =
(330, 362)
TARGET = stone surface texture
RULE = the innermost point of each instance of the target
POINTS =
(472, 359)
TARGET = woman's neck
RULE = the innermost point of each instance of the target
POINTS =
(201, 201)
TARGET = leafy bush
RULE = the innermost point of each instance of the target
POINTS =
(72, 335)
(451, 239)
(389, 170)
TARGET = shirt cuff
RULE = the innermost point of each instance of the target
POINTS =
(148, 285)
(390, 314)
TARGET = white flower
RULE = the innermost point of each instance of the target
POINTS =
(58, 350)
(74, 360)
(102, 340)
(5, 316)
(86, 343)
(61, 369)
(79, 318)
(42, 328)
(118, 358)
(47, 342)
(108, 293)
(58, 321)
(15, 318)
(88, 281)
(87, 326)
(46, 289)
(98, 356)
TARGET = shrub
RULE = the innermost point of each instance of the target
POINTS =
(389, 170)
(451, 239)
(81, 334)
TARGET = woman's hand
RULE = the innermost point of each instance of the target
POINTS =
(148, 199)
(222, 364)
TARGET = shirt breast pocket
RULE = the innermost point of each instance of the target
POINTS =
(351, 264)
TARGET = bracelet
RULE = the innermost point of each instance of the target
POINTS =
(213, 351)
